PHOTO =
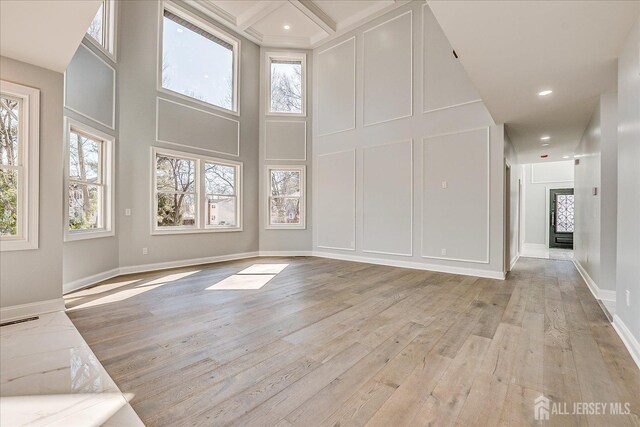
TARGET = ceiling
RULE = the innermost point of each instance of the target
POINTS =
(310, 22)
(514, 49)
(27, 26)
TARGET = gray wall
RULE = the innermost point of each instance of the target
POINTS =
(36, 275)
(628, 244)
(391, 98)
(537, 181)
(287, 138)
(90, 86)
(587, 176)
(137, 68)
(595, 236)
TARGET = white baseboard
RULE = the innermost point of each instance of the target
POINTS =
(414, 265)
(513, 261)
(286, 253)
(535, 250)
(85, 282)
(185, 262)
(627, 338)
(601, 294)
(15, 312)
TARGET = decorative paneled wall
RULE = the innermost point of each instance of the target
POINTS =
(194, 128)
(285, 140)
(336, 199)
(336, 93)
(387, 193)
(396, 112)
(387, 70)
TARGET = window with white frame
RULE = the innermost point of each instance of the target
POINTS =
(198, 61)
(89, 176)
(286, 78)
(286, 189)
(19, 141)
(101, 30)
(195, 193)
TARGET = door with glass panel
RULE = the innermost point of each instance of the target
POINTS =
(561, 218)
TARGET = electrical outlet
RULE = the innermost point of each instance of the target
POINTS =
(628, 295)
(443, 251)
(444, 184)
(127, 212)
(145, 251)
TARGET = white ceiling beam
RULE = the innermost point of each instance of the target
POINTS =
(257, 12)
(317, 15)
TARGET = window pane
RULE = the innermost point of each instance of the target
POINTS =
(8, 202)
(285, 210)
(84, 158)
(564, 213)
(176, 210)
(9, 118)
(175, 174)
(85, 208)
(220, 179)
(285, 183)
(95, 29)
(196, 66)
(286, 86)
(221, 211)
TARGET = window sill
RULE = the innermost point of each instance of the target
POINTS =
(87, 235)
(17, 245)
(286, 227)
(103, 50)
(277, 114)
(211, 107)
(177, 231)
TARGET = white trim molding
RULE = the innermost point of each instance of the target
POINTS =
(271, 56)
(514, 260)
(599, 294)
(21, 311)
(302, 198)
(535, 250)
(85, 282)
(627, 338)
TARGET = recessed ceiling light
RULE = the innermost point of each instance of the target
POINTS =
(545, 145)
(287, 27)
(206, 76)
(545, 138)
(545, 92)
(179, 30)
(565, 157)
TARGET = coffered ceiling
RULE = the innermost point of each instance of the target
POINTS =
(293, 23)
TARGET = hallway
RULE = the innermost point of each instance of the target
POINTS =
(329, 342)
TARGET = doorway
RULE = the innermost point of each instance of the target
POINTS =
(561, 218)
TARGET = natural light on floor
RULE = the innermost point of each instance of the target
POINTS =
(251, 278)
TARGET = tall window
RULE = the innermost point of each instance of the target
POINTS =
(19, 140)
(195, 193)
(286, 83)
(101, 31)
(286, 196)
(89, 208)
(198, 61)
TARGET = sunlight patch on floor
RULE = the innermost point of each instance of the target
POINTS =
(251, 278)
(264, 269)
(169, 278)
(116, 297)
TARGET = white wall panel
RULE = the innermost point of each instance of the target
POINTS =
(285, 140)
(387, 70)
(445, 81)
(89, 74)
(456, 218)
(192, 127)
(542, 173)
(388, 198)
(336, 92)
(336, 199)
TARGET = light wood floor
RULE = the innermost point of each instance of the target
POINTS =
(339, 343)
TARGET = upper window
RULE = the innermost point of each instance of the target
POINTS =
(101, 31)
(194, 193)
(286, 83)
(19, 140)
(197, 63)
(89, 208)
(286, 187)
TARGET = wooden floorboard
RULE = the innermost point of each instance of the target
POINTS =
(337, 343)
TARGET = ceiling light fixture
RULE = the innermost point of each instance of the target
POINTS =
(179, 30)
(545, 92)
(565, 157)
(287, 27)
(545, 145)
(545, 138)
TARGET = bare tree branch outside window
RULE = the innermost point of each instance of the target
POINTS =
(286, 86)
